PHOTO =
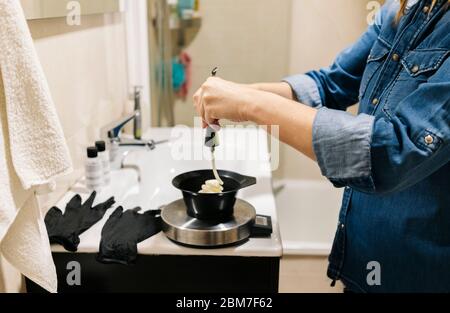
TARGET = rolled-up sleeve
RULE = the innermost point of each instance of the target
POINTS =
(305, 90)
(342, 143)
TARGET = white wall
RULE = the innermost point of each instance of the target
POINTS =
(319, 31)
(136, 25)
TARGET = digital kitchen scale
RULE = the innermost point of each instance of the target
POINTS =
(184, 229)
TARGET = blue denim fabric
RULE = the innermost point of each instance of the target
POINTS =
(394, 157)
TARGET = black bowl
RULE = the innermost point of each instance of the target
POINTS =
(211, 206)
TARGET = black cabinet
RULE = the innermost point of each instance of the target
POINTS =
(166, 273)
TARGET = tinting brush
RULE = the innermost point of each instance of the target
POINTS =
(211, 137)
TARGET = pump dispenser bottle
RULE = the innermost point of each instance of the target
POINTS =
(103, 155)
(93, 170)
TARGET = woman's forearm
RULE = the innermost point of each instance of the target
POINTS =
(282, 89)
(295, 120)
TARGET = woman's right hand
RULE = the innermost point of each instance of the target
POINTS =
(220, 99)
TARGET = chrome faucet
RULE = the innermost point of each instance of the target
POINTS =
(121, 146)
(114, 129)
(137, 122)
(117, 154)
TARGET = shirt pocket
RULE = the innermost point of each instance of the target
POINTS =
(375, 60)
(417, 67)
(420, 64)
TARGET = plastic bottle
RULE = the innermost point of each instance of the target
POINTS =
(113, 147)
(93, 170)
(103, 155)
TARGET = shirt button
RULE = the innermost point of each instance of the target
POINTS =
(342, 225)
(415, 69)
(429, 139)
(426, 9)
(375, 101)
(395, 57)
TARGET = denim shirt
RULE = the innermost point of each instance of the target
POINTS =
(393, 158)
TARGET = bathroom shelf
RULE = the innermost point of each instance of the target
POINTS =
(186, 23)
(184, 33)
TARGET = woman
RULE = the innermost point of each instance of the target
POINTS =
(393, 158)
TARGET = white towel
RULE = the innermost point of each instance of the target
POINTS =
(33, 150)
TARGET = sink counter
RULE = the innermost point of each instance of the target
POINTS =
(159, 166)
(162, 265)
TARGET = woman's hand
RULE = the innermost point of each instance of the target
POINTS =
(220, 99)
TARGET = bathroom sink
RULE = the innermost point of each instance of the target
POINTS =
(146, 181)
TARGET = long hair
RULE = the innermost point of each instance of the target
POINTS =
(404, 3)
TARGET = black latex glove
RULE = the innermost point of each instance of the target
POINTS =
(65, 228)
(123, 231)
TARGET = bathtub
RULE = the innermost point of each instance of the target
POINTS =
(308, 214)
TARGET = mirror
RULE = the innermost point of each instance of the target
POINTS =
(39, 9)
